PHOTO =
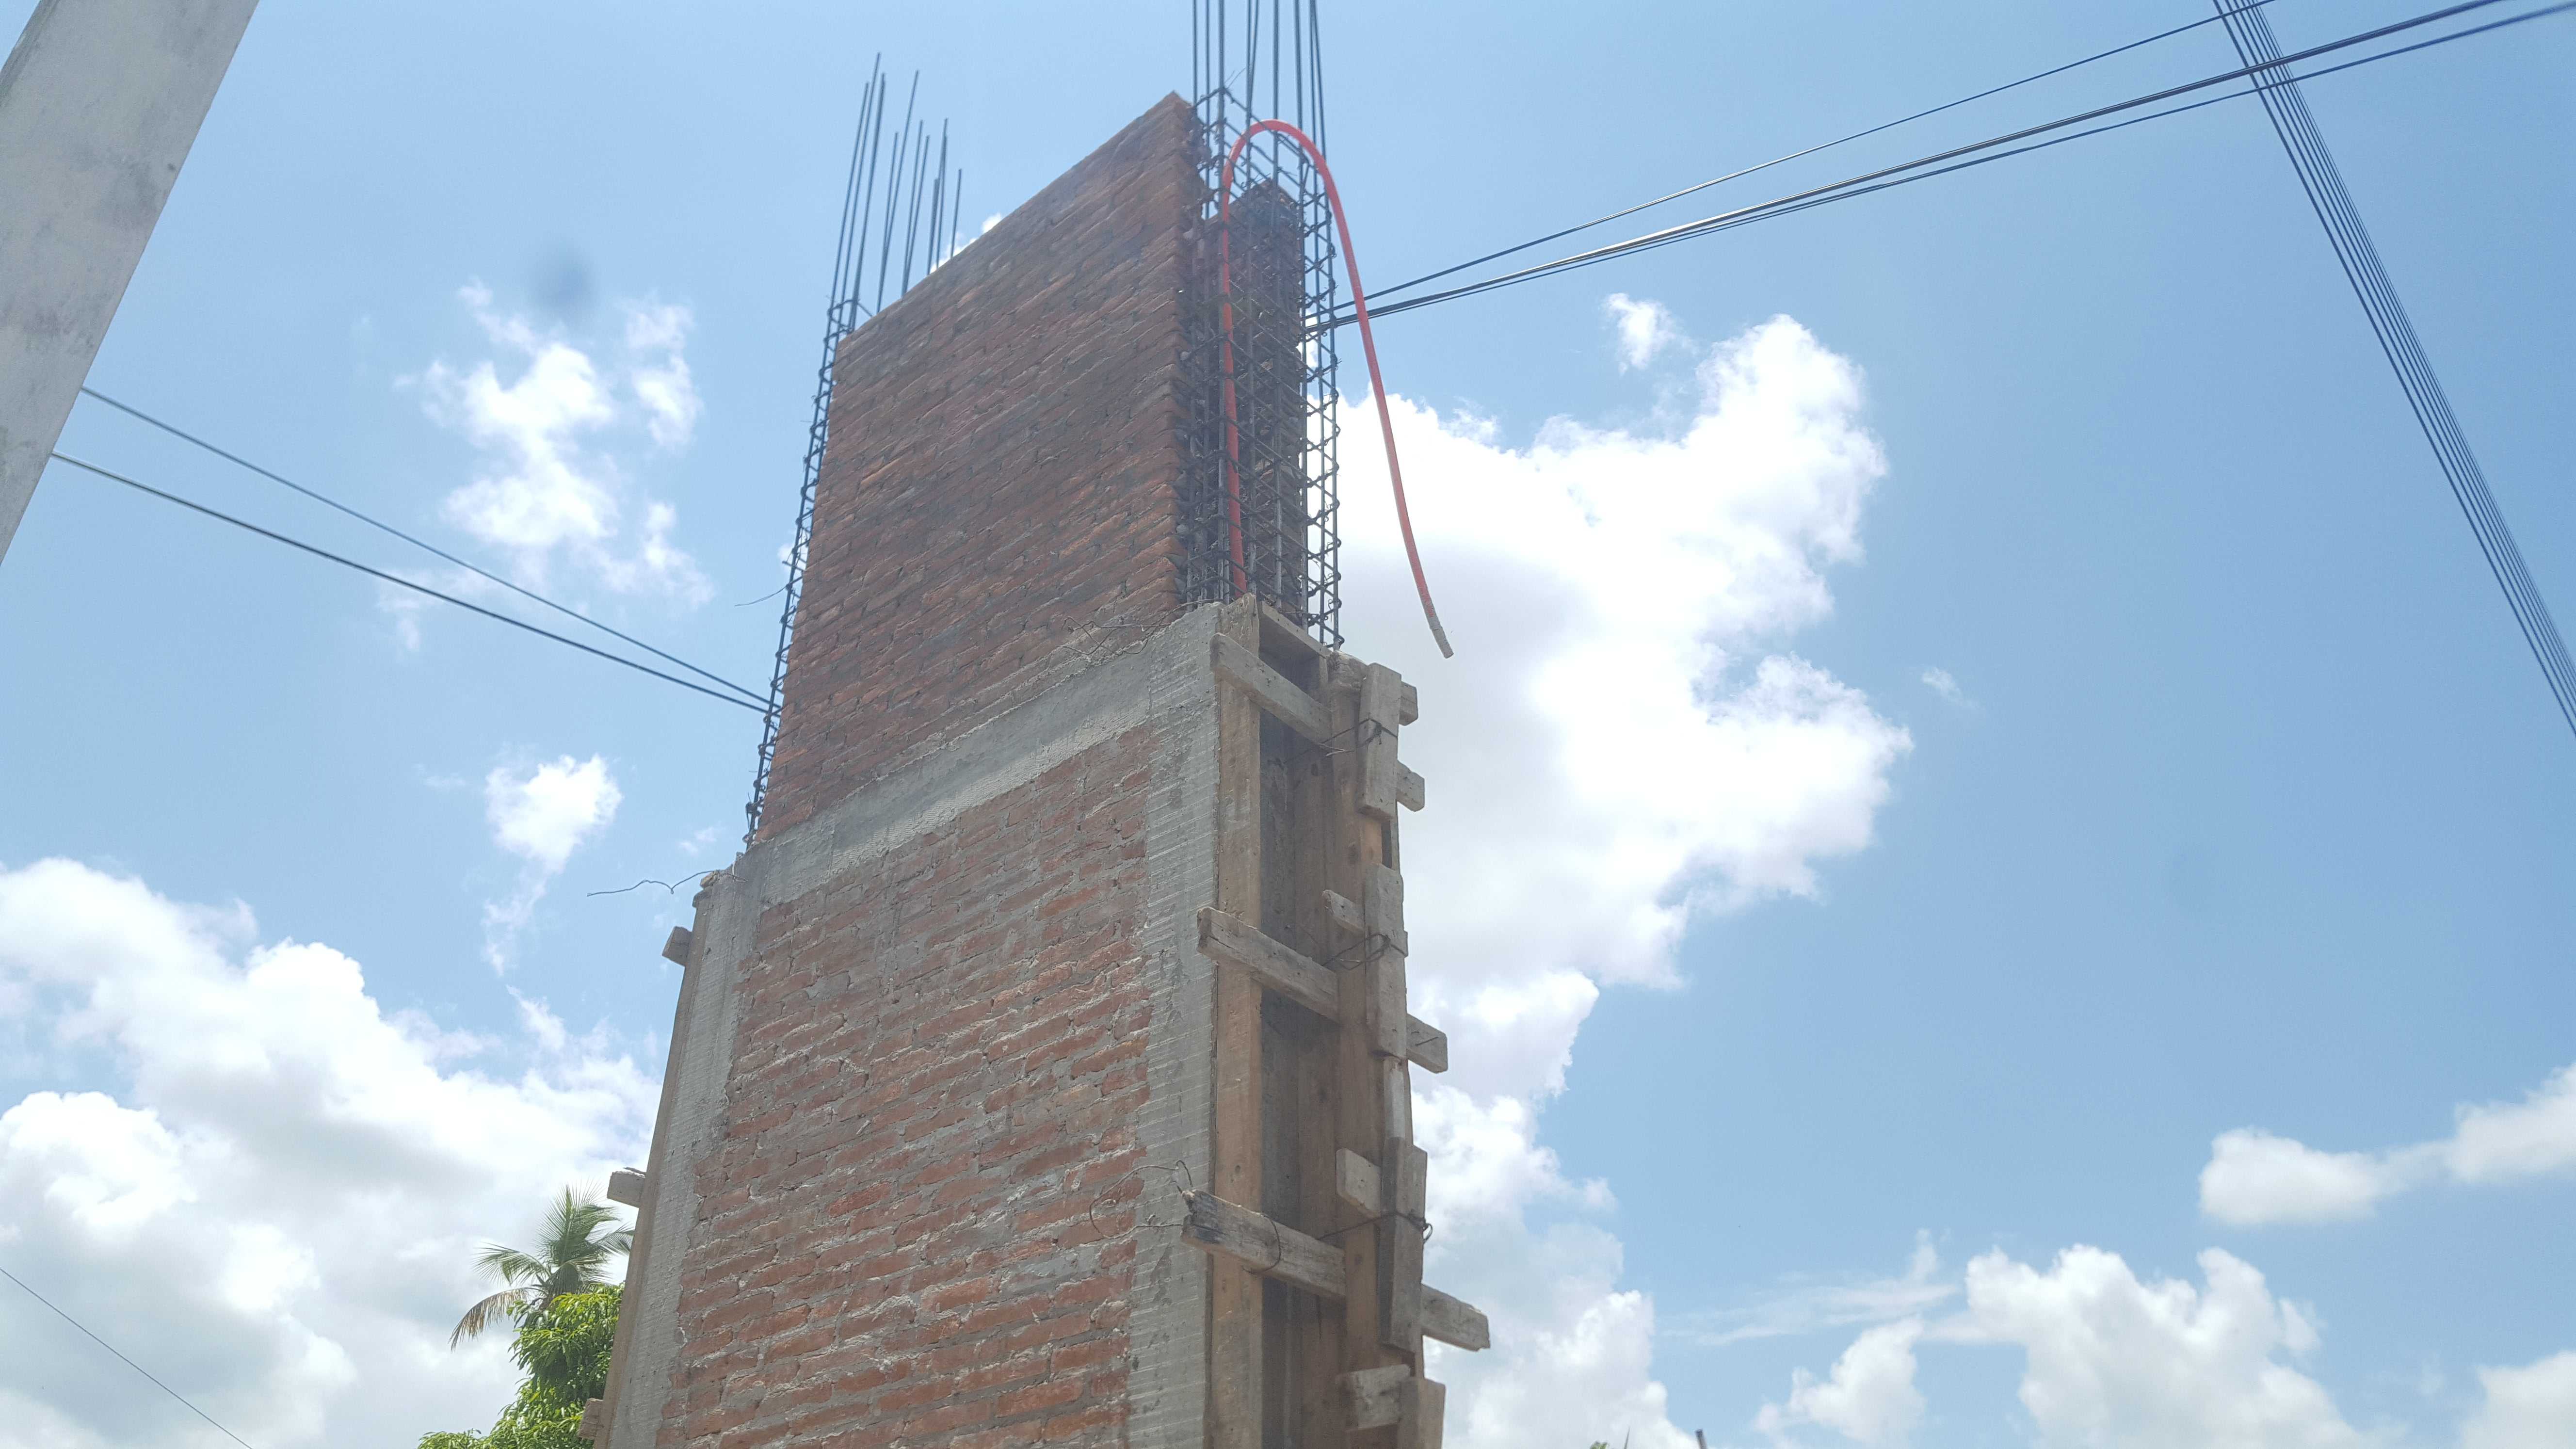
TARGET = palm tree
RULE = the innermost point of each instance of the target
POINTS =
(568, 1259)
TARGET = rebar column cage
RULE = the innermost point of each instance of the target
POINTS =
(1258, 62)
(881, 187)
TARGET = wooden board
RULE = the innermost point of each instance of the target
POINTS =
(1400, 1327)
(1263, 1247)
(1368, 1395)
(1358, 1183)
(1453, 1321)
(1300, 979)
(1269, 688)
(1379, 689)
(1425, 1045)
(1234, 1294)
(1420, 1405)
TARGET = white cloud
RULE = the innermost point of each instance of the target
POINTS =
(1946, 685)
(541, 815)
(275, 1208)
(2117, 1363)
(2532, 1407)
(1645, 329)
(1869, 1397)
(547, 495)
(2254, 1177)
(656, 332)
(1623, 743)
(1808, 1305)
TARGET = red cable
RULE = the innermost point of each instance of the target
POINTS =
(1368, 344)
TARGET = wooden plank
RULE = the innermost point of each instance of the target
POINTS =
(1261, 1246)
(675, 947)
(1356, 844)
(1420, 1405)
(1344, 913)
(1235, 1397)
(1292, 706)
(1453, 1322)
(1377, 738)
(1400, 1326)
(1425, 1045)
(1295, 976)
(1223, 937)
(1382, 906)
(1368, 1395)
(1265, 1247)
(1282, 635)
(626, 1185)
(1358, 1183)
(1408, 788)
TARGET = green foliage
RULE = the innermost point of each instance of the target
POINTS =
(564, 1346)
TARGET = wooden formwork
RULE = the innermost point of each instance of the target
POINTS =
(1314, 1222)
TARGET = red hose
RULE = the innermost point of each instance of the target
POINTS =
(1368, 345)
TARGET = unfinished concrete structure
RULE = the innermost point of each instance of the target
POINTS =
(1041, 1072)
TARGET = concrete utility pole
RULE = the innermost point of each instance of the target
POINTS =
(99, 104)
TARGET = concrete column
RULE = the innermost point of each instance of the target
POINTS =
(99, 104)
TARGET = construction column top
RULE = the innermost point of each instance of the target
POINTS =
(99, 104)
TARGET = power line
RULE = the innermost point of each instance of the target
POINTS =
(1879, 180)
(327, 501)
(408, 584)
(2322, 180)
(129, 1363)
(1794, 155)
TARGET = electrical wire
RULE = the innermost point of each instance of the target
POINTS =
(408, 584)
(129, 1363)
(1385, 292)
(2349, 236)
(1878, 180)
(1368, 345)
(327, 501)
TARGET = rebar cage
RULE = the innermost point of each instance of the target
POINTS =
(1272, 256)
(873, 187)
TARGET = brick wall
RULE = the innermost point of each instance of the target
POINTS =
(916, 1227)
(942, 1014)
(997, 505)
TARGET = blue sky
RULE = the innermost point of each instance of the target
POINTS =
(2246, 809)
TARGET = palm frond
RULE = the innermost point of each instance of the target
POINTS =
(579, 1238)
(512, 1266)
(505, 1304)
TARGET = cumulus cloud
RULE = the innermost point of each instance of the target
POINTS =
(1645, 329)
(1943, 683)
(1808, 1305)
(541, 815)
(276, 1205)
(2254, 1177)
(2121, 1363)
(1623, 744)
(549, 495)
(2116, 1361)
(2532, 1407)
(1869, 1398)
